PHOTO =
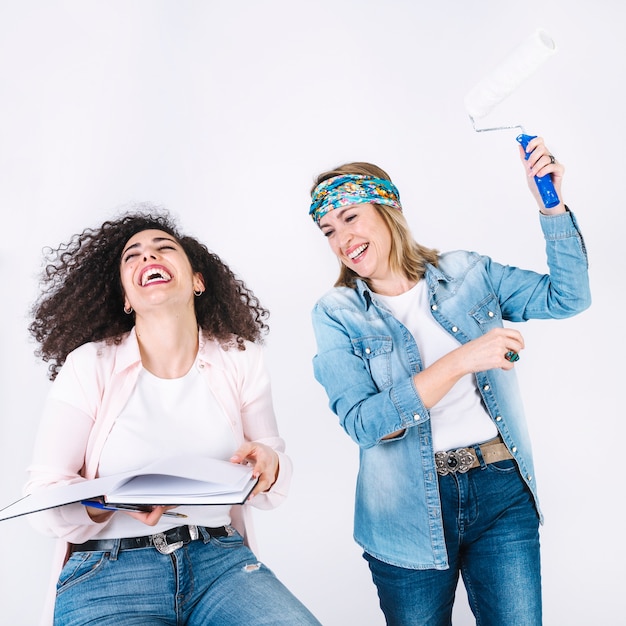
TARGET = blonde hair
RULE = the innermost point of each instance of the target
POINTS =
(406, 255)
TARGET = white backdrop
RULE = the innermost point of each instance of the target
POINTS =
(223, 112)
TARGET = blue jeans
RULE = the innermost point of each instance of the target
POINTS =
(492, 537)
(215, 581)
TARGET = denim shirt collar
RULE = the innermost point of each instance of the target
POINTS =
(433, 276)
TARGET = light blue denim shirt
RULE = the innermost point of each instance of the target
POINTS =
(366, 360)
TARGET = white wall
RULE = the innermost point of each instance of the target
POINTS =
(224, 112)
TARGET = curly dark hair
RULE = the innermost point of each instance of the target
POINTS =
(82, 298)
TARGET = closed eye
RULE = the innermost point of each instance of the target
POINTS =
(135, 253)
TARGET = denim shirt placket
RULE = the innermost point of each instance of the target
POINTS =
(427, 457)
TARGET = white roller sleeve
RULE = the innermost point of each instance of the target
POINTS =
(509, 74)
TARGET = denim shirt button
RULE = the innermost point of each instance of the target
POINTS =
(486, 387)
(367, 350)
(434, 307)
(499, 418)
(490, 314)
(529, 477)
(514, 449)
(455, 329)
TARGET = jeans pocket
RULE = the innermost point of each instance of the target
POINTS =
(506, 466)
(230, 541)
(80, 567)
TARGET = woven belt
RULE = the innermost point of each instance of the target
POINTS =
(465, 459)
(165, 542)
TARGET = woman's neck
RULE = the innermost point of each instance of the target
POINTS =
(169, 346)
(393, 285)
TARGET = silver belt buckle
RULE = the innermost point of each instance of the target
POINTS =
(454, 461)
(159, 541)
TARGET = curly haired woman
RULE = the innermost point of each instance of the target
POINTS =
(153, 347)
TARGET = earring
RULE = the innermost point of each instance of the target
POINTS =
(128, 310)
(198, 292)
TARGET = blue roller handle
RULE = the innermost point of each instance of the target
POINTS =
(544, 183)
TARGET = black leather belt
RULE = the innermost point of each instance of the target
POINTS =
(165, 542)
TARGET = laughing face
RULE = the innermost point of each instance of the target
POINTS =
(154, 270)
(360, 238)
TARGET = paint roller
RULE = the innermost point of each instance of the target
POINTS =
(501, 82)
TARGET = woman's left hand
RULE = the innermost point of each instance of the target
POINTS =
(264, 461)
(540, 163)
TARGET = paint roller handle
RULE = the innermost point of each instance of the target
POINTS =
(544, 183)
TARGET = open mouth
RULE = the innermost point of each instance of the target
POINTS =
(153, 275)
(357, 252)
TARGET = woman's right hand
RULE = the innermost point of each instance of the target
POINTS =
(150, 518)
(98, 515)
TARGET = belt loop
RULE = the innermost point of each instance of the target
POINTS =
(204, 533)
(115, 550)
(479, 456)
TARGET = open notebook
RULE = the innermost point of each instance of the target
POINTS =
(171, 481)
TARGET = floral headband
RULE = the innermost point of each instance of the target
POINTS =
(348, 189)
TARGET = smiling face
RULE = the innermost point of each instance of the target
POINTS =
(154, 269)
(361, 239)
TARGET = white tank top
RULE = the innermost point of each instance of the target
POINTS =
(459, 419)
(167, 417)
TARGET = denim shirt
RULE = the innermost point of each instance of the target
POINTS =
(366, 360)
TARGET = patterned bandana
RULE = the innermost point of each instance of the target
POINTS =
(348, 189)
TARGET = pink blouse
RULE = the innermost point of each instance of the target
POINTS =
(88, 394)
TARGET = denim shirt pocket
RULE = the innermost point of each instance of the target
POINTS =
(376, 354)
(487, 313)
